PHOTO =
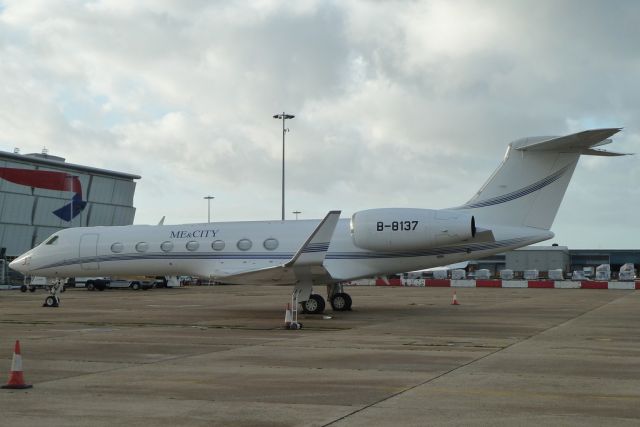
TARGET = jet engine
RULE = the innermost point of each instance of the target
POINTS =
(405, 229)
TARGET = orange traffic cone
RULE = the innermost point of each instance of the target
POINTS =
(16, 380)
(454, 301)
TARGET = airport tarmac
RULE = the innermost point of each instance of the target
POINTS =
(204, 356)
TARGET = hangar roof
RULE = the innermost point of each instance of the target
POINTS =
(49, 160)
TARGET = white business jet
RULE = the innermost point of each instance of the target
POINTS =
(514, 208)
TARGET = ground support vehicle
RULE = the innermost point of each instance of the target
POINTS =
(101, 284)
(31, 283)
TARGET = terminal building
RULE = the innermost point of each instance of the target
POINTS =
(41, 194)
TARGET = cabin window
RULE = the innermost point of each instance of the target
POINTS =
(166, 246)
(193, 245)
(52, 240)
(117, 247)
(244, 244)
(142, 247)
(217, 245)
(270, 244)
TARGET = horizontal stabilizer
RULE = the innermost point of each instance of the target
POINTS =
(592, 152)
(581, 143)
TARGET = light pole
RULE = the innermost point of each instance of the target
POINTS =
(284, 116)
(296, 213)
(209, 199)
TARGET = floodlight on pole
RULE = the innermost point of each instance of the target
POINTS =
(284, 116)
(209, 199)
(296, 213)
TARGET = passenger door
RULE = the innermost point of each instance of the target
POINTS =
(89, 252)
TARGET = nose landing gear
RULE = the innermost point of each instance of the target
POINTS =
(53, 300)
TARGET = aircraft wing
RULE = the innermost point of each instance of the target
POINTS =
(307, 262)
(581, 142)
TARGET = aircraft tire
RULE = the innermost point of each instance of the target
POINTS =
(314, 305)
(50, 301)
(349, 302)
(341, 302)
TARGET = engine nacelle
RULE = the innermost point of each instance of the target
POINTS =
(404, 229)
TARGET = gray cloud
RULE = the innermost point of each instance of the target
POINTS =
(396, 103)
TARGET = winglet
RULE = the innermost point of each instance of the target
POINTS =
(315, 248)
(161, 222)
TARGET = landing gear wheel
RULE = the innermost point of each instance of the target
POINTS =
(314, 305)
(341, 302)
(50, 301)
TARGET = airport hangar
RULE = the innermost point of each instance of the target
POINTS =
(41, 194)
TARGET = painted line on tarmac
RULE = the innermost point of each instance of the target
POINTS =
(430, 380)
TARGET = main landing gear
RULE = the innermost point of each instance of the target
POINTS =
(339, 300)
(314, 305)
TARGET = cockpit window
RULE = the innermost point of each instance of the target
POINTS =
(52, 240)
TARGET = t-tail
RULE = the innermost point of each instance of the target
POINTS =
(528, 187)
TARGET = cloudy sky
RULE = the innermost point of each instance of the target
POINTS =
(397, 103)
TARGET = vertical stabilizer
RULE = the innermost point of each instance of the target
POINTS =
(528, 187)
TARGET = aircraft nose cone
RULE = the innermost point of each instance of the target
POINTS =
(20, 264)
(14, 265)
